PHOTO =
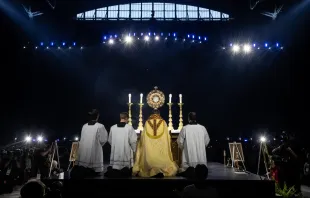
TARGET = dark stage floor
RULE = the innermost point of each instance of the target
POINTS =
(223, 179)
(217, 171)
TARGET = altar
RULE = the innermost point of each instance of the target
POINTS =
(156, 99)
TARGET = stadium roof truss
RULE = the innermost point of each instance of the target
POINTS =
(153, 10)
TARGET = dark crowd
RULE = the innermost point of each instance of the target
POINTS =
(31, 163)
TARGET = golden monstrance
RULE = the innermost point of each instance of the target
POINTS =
(156, 98)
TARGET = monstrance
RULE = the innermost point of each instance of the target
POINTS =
(155, 98)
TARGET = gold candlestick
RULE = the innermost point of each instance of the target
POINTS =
(181, 117)
(170, 126)
(129, 113)
(140, 127)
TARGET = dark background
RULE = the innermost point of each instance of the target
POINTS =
(51, 92)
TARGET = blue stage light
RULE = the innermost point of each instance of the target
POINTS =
(206, 38)
(149, 34)
(245, 140)
(199, 37)
(162, 34)
(188, 36)
(254, 45)
(193, 36)
(168, 34)
(111, 36)
(141, 34)
(63, 44)
(266, 44)
(231, 45)
(115, 36)
(105, 38)
(52, 43)
(277, 44)
(134, 34)
(174, 34)
(74, 44)
(41, 43)
(154, 33)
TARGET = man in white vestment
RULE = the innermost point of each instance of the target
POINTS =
(93, 137)
(123, 141)
(193, 140)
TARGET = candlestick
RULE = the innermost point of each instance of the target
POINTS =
(129, 98)
(170, 97)
(181, 115)
(140, 127)
(141, 98)
(170, 126)
(129, 113)
(180, 96)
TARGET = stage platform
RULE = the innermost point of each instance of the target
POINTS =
(224, 179)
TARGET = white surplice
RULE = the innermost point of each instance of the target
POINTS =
(90, 154)
(193, 140)
(123, 141)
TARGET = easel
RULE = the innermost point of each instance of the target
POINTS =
(55, 150)
(235, 150)
(263, 151)
(73, 154)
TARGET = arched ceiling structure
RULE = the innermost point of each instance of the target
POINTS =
(161, 11)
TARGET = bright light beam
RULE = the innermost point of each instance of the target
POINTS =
(28, 139)
(236, 48)
(247, 48)
(128, 39)
(263, 139)
(146, 38)
(39, 138)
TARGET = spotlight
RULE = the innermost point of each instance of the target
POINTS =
(236, 48)
(69, 47)
(65, 138)
(63, 44)
(263, 139)
(81, 48)
(175, 39)
(247, 48)
(39, 138)
(157, 38)
(76, 139)
(128, 39)
(111, 41)
(146, 38)
(269, 48)
(28, 139)
(24, 47)
(58, 47)
(36, 47)
(15, 139)
(47, 47)
(281, 48)
(223, 48)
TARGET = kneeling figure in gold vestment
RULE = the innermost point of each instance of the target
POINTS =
(154, 154)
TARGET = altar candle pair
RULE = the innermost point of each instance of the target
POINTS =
(129, 98)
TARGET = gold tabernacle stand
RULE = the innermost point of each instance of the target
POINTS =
(129, 113)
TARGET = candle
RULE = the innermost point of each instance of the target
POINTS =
(129, 97)
(141, 98)
(170, 96)
(180, 96)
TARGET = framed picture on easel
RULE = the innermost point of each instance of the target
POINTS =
(73, 153)
(236, 154)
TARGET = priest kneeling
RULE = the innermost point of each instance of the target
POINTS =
(154, 156)
(193, 140)
(123, 141)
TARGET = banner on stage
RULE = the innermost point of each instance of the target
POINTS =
(236, 152)
(74, 150)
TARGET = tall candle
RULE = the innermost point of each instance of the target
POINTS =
(141, 98)
(129, 97)
(180, 96)
(170, 96)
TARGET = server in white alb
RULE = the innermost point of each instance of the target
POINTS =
(123, 141)
(193, 140)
